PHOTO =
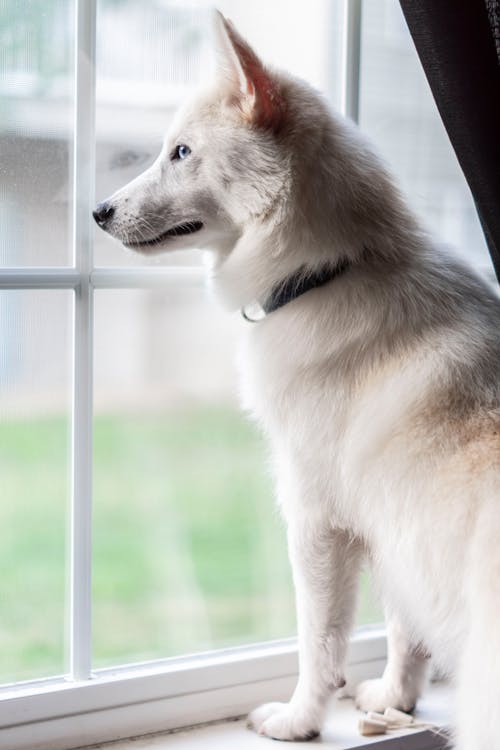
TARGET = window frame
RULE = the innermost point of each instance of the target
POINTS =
(89, 706)
(57, 714)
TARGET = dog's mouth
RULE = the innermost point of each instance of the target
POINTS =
(187, 227)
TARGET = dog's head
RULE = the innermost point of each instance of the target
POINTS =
(219, 165)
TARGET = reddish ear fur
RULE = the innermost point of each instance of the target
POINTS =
(255, 91)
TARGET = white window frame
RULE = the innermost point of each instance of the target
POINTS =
(88, 706)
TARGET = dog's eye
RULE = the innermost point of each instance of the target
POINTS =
(181, 151)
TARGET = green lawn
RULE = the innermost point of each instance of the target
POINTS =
(189, 551)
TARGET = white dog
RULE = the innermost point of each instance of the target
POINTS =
(374, 370)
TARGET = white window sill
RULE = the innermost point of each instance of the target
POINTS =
(340, 732)
(133, 700)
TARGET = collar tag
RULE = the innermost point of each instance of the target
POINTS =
(253, 312)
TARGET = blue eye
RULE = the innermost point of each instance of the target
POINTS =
(181, 152)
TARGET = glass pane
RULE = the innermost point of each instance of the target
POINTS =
(398, 112)
(189, 551)
(36, 111)
(151, 56)
(34, 460)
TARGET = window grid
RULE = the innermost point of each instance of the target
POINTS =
(171, 680)
(80, 642)
(83, 278)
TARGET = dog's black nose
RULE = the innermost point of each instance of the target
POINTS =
(103, 213)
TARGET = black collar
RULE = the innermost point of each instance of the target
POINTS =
(300, 282)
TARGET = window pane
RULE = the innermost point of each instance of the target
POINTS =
(397, 110)
(151, 56)
(189, 551)
(36, 111)
(34, 424)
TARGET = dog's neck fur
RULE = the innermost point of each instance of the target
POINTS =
(336, 201)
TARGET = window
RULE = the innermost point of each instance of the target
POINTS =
(398, 112)
(137, 508)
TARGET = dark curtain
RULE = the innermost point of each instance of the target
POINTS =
(458, 42)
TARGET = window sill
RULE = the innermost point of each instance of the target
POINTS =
(58, 714)
(340, 732)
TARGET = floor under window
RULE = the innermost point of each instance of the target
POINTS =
(340, 732)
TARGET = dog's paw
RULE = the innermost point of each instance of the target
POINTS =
(280, 722)
(377, 695)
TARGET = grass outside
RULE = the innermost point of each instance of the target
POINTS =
(189, 550)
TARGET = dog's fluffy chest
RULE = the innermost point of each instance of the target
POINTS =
(319, 385)
(346, 430)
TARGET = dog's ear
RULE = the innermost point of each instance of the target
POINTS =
(250, 86)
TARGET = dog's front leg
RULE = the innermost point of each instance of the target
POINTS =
(325, 565)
